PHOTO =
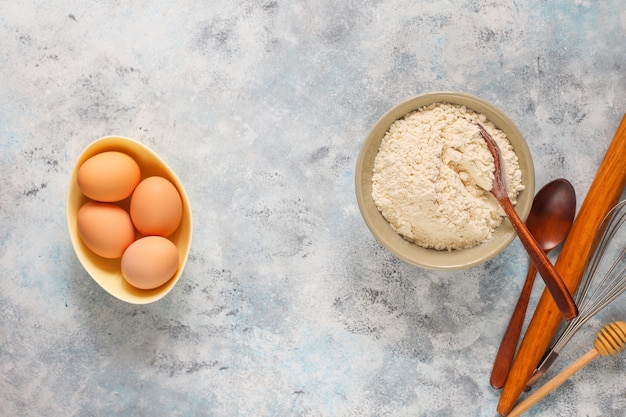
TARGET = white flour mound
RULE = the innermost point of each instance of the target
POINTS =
(432, 173)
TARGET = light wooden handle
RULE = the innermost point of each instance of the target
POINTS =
(603, 194)
(555, 382)
(610, 340)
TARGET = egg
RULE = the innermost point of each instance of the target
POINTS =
(105, 228)
(156, 207)
(108, 176)
(150, 262)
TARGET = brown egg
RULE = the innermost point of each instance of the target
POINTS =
(150, 262)
(105, 228)
(156, 207)
(108, 176)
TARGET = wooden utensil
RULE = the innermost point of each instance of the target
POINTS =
(598, 288)
(550, 219)
(550, 276)
(604, 192)
(610, 340)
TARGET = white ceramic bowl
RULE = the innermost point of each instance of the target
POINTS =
(107, 272)
(431, 258)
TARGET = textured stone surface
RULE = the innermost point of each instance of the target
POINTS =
(288, 305)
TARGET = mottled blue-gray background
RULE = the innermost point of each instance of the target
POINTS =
(287, 306)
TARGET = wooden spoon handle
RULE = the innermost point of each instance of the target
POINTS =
(552, 279)
(553, 383)
(508, 345)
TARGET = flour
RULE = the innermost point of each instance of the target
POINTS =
(432, 173)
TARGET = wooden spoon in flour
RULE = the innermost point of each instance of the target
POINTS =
(554, 282)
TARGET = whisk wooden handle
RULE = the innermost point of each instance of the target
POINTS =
(610, 340)
(604, 192)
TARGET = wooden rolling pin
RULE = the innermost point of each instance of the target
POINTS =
(603, 194)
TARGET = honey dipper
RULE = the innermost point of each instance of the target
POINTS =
(610, 340)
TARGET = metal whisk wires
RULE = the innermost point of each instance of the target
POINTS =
(593, 295)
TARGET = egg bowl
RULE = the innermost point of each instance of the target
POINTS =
(431, 258)
(107, 272)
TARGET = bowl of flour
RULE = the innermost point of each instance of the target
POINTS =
(423, 177)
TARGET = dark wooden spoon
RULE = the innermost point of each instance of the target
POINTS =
(549, 221)
(554, 282)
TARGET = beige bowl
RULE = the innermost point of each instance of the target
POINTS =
(431, 258)
(107, 272)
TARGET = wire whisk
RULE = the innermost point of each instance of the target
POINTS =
(592, 296)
